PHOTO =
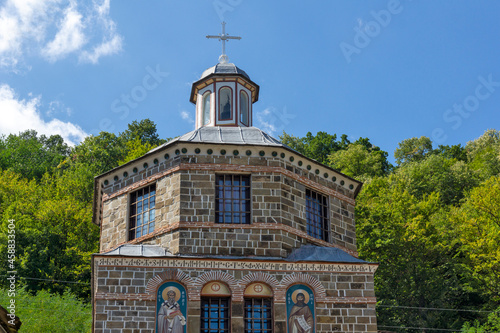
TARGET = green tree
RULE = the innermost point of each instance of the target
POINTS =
(54, 234)
(492, 324)
(417, 266)
(145, 130)
(318, 146)
(45, 312)
(413, 149)
(448, 177)
(31, 155)
(456, 151)
(484, 153)
(135, 149)
(359, 161)
(476, 229)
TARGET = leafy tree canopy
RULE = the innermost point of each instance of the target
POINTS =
(413, 149)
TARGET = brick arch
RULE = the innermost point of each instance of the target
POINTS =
(168, 275)
(259, 277)
(236, 292)
(309, 280)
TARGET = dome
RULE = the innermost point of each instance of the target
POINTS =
(227, 69)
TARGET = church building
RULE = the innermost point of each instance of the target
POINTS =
(226, 229)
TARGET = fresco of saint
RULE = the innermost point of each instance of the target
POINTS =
(170, 316)
(300, 306)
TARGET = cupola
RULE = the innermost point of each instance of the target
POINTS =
(224, 94)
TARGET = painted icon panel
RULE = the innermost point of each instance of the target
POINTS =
(171, 308)
(300, 309)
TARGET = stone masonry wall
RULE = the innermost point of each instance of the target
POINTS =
(125, 297)
(185, 187)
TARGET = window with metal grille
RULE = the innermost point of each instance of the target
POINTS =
(214, 315)
(142, 212)
(232, 199)
(317, 215)
(258, 315)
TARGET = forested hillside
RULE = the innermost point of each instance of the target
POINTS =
(432, 221)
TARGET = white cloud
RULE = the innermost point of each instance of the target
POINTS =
(69, 38)
(104, 49)
(55, 29)
(187, 117)
(19, 115)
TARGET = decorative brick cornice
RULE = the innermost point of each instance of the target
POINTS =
(168, 275)
(311, 281)
(127, 297)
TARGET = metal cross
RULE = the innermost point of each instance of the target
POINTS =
(223, 37)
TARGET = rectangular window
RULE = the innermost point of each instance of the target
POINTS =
(317, 215)
(142, 212)
(214, 315)
(232, 199)
(258, 315)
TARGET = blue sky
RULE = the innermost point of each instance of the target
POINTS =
(386, 70)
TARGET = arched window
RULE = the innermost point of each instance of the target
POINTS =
(244, 107)
(225, 104)
(205, 114)
(258, 308)
(215, 308)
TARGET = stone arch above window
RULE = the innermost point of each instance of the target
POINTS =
(258, 289)
(259, 277)
(207, 277)
(306, 279)
(168, 275)
(216, 289)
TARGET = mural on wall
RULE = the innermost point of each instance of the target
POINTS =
(171, 305)
(300, 309)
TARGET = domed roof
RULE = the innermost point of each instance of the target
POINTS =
(227, 135)
(226, 68)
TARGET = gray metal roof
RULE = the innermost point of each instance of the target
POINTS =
(227, 135)
(224, 69)
(320, 253)
(139, 250)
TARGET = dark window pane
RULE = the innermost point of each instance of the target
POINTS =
(232, 198)
(142, 211)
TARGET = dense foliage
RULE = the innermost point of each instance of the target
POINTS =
(46, 312)
(432, 221)
(433, 224)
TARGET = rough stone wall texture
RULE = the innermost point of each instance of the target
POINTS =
(125, 301)
(186, 194)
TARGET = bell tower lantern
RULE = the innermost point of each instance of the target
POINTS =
(224, 94)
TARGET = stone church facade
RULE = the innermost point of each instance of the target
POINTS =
(226, 229)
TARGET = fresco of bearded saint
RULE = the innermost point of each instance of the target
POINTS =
(301, 319)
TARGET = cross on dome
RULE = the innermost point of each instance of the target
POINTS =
(223, 37)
